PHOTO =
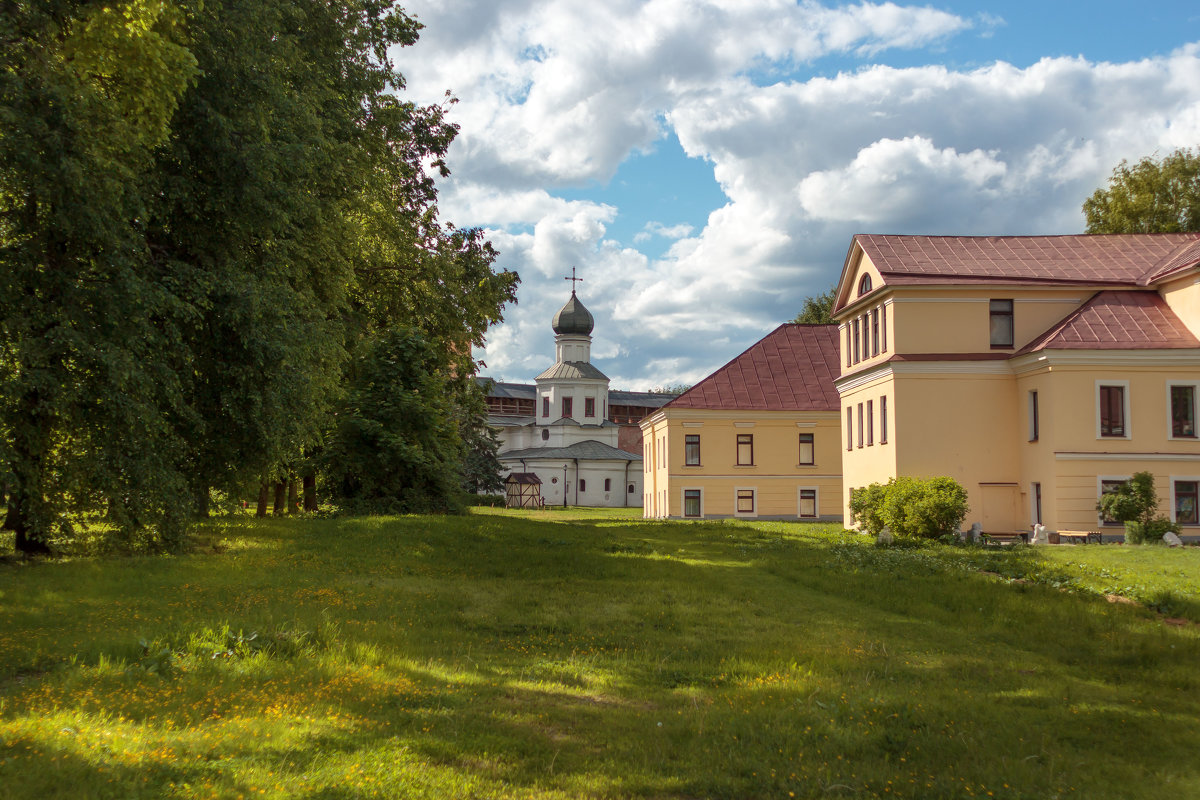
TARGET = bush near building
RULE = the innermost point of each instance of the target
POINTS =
(912, 508)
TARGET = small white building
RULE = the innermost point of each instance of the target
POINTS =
(570, 442)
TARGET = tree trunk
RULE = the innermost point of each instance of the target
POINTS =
(262, 501)
(17, 520)
(310, 492)
(293, 497)
(202, 501)
(280, 499)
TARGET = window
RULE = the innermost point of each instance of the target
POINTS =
(1033, 416)
(1183, 412)
(808, 503)
(849, 346)
(608, 484)
(860, 424)
(545, 406)
(883, 419)
(691, 449)
(582, 485)
(807, 456)
(870, 423)
(691, 502)
(1112, 411)
(745, 449)
(875, 332)
(849, 428)
(883, 328)
(745, 501)
(631, 488)
(857, 352)
(566, 406)
(864, 285)
(589, 406)
(545, 434)
(1185, 502)
(1001, 322)
(1037, 503)
(1108, 486)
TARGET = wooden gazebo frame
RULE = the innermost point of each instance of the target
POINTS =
(523, 490)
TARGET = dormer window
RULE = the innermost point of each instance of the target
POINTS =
(864, 285)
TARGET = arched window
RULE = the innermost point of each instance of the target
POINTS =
(631, 488)
(864, 285)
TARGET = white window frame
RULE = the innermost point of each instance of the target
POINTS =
(1126, 401)
(1195, 411)
(750, 514)
(683, 501)
(816, 504)
(1100, 479)
(1174, 478)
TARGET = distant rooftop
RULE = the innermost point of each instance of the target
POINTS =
(792, 368)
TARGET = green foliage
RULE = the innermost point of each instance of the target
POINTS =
(818, 309)
(672, 388)
(1135, 503)
(396, 448)
(1150, 196)
(866, 508)
(912, 508)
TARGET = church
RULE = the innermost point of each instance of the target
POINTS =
(580, 439)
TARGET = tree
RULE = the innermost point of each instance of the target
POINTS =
(672, 388)
(397, 448)
(818, 309)
(1135, 503)
(87, 384)
(1149, 197)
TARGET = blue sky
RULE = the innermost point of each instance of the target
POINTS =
(703, 163)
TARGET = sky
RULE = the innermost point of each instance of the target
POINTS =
(704, 164)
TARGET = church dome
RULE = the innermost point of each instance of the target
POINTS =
(573, 318)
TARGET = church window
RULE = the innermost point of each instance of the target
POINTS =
(582, 485)
(691, 450)
(608, 484)
(631, 488)
(806, 449)
(566, 406)
(589, 406)
(864, 285)
(745, 449)
(545, 406)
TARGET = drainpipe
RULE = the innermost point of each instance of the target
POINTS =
(625, 485)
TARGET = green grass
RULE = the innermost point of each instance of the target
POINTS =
(586, 653)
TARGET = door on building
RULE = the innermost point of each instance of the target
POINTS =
(999, 507)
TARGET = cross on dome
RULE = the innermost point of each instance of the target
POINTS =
(573, 280)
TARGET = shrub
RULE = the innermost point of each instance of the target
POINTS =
(1135, 503)
(911, 507)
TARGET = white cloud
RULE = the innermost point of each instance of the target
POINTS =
(557, 94)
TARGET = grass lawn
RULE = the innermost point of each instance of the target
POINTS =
(585, 653)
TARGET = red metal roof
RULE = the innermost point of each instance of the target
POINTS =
(790, 369)
(1117, 320)
(1131, 259)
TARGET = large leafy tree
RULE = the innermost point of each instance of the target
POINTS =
(1151, 196)
(818, 308)
(87, 91)
(210, 214)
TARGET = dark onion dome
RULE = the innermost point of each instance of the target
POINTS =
(573, 318)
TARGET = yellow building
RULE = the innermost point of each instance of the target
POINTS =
(1038, 371)
(758, 438)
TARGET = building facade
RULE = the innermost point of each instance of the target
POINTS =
(759, 438)
(1037, 371)
(564, 427)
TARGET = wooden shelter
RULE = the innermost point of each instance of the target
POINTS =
(523, 490)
